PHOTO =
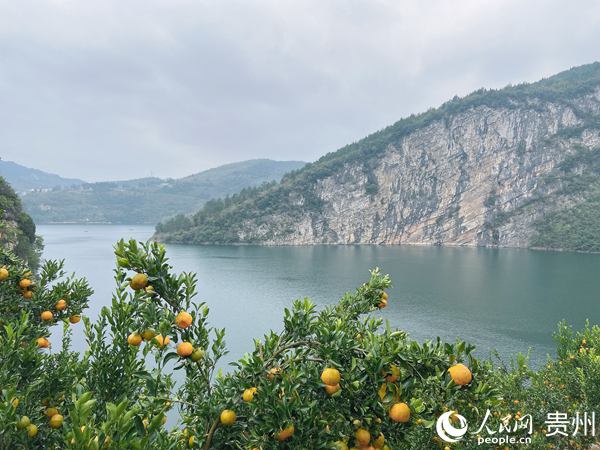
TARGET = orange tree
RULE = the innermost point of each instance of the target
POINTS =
(567, 384)
(31, 379)
(332, 378)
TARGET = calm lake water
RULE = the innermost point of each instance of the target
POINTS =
(507, 300)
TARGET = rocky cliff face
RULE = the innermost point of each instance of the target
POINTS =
(465, 178)
(445, 183)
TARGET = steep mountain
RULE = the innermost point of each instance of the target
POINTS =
(149, 200)
(24, 179)
(17, 230)
(513, 167)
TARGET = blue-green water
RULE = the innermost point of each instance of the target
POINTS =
(508, 300)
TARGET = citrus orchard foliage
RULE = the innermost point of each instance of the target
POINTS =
(568, 384)
(30, 379)
(331, 378)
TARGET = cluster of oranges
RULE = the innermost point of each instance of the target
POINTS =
(55, 420)
(25, 284)
(24, 423)
(399, 412)
(183, 320)
(48, 316)
(60, 305)
(331, 378)
(228, 417)
(27, 288)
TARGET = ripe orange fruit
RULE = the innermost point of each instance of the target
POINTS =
(184, 349)
(46, 315)
(3, 273)
(331, 376)
(460, 374)
(32, 431)
(138, 281)
(332, 389)
(148, 335)
(228, 417)
(27, 294)
(75, 318)
(42, 342)
(362, 437)
(51, 412)
(61, 305)
(183, 319)
(400, 412)
(286, 433)
(382, 304)
(197, 355)
(378, 443)
(248, 394)
(162, 341)
(134, 339)
(25, 283)
(56, 421)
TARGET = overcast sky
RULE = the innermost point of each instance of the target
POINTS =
(115, 89)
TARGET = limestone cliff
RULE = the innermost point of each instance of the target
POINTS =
(487, 169)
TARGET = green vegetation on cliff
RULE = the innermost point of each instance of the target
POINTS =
(576, 226)
(17, 230)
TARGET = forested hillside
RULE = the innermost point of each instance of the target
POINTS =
(17, 230)
(149, 200)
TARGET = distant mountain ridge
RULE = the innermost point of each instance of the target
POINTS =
(515, 167)
(149, 200)
(24, 179)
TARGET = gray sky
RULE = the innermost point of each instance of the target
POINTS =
(114, 89)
